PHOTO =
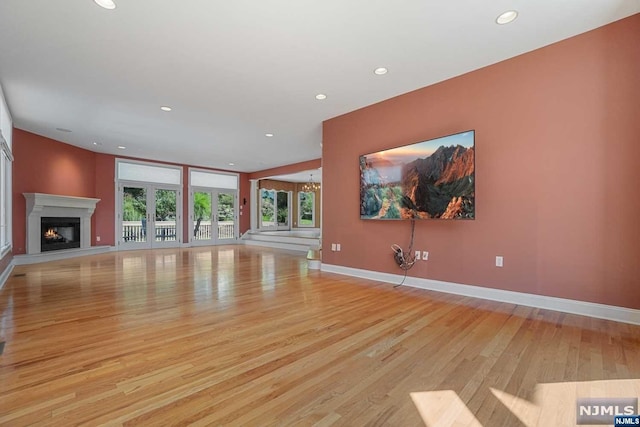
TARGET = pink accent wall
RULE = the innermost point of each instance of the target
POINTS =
(104, 218)
(283, 170)
(557, 173)
(43, 165)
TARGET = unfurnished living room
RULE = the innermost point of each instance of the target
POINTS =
(336, 213)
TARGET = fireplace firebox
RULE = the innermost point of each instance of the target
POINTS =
(59, 233)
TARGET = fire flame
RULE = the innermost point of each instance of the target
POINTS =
(50, 233)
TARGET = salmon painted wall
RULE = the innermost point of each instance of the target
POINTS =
(104, 218)
(557, 173)
(287, 169)
(43, 165)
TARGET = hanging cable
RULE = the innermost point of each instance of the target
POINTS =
(405, 260)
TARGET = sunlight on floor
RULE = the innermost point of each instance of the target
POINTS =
(443, 408)
(553, 404)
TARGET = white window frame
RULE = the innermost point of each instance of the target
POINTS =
(6, 188)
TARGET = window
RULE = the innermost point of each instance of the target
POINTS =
(213, 180)
(146, 172)
(6, 128)
(306, 209)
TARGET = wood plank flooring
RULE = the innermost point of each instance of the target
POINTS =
(245, 336)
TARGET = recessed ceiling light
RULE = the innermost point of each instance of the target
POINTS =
(97, 143)
(321, 96)
(232, 164)
(165, 108)
(380, 71)
(268, 135)
(107, 4)
(122, 147)
(507, 17)
(64, 130)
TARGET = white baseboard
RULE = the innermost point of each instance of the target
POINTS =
(58, 255)
(599, 311)
(6, 273)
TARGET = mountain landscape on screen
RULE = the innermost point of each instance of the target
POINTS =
(429, 179)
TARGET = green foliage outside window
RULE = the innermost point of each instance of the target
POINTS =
(306, 208)
(134, 204)
(225, 207)
(202, 205)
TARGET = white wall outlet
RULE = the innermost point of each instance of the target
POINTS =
(97, 238)
(333, 247)
(338, 247)
(499, 261)
(417, 255)
(425, 255)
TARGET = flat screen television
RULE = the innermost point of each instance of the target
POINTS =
(428, 179)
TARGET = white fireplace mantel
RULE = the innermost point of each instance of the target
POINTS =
(51, 205)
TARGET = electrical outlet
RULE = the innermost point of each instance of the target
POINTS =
(417, 255)
(499, 261)
(338, 247)
(425, 255)
(97, 238)
(333, 247)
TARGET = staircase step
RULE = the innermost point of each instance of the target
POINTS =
(299, 243)
(279, 245)
(284, 239)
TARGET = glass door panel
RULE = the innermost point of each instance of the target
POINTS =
(226, 216)
(306, 209)
(267, 209)
(202, 215)
(282, 213)
(166, 215)
(134, 216)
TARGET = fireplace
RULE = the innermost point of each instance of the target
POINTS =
(58, 233)
(73, 230)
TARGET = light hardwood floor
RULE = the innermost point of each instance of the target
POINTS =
(248, 336)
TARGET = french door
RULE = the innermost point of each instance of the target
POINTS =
(149, 216)
(213, 216)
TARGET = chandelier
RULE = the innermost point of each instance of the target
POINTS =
(311, 186)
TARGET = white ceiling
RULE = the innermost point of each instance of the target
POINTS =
(235, 70)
